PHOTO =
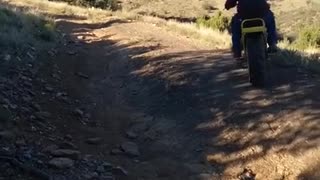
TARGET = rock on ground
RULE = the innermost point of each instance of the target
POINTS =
(61, 163)
(72, 154)
(130, 148)
(94, 141)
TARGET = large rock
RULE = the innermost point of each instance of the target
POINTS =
(130, 149)
(72, 154)
(61, 163)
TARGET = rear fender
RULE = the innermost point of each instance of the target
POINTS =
(253, 28)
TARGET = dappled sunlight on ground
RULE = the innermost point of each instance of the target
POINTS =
(273, 131)
(199, 98)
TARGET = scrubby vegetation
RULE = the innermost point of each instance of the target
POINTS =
(20, 31)
(309, 36)
(216, 22)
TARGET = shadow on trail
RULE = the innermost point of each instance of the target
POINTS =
(203, 106)
(205, 95)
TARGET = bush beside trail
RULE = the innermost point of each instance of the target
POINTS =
(309, 36)
(216, 22)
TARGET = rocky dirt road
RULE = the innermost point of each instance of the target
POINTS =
(132, 101)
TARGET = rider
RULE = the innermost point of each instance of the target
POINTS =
(251, 9)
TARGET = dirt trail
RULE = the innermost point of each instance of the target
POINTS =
(194, 114)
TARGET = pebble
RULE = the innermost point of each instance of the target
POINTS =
(107, 165)
(101, 169)
(68, 145)
(78, 112)
(69, 153)
(88, 157)
(131, 135)
(247, 174)
(108, 177)
(7, 57)
(116, 151)
(42, 115)
(49, 89)
(94, 141)
(91, 176)
(130, 149)
(68, 137)
(50, 148)
(20, 142)
(61, 163)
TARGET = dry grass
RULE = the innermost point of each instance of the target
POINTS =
(23, 32)
(128, 15)
(290, 14)
(214, 38)
(290, 55)
(204, 35)
(57, 9)
(170, 8)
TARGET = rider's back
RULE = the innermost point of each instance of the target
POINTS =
(252, 8)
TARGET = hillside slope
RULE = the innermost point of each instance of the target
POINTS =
(290, 14)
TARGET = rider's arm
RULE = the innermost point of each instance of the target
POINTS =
(230, 4)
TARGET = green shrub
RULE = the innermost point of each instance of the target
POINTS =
(46, 31)
(217, 22)
(309, 37)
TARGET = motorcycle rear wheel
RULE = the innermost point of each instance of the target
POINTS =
(256, 55)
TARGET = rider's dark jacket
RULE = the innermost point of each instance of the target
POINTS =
(249, 8)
